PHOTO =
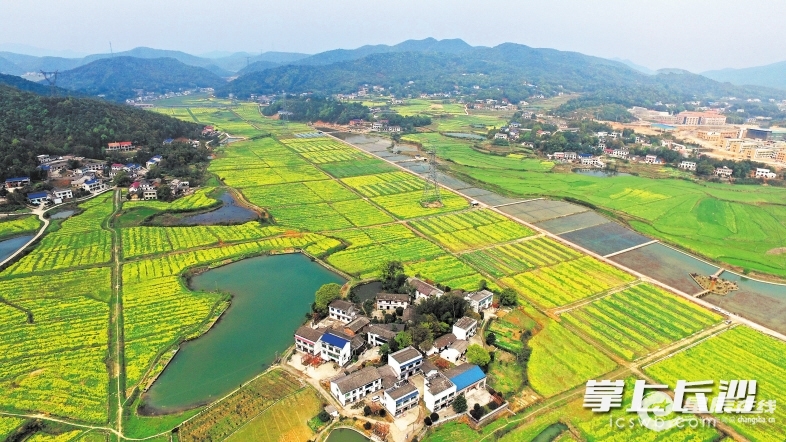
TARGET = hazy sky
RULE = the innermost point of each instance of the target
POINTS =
(692, 34)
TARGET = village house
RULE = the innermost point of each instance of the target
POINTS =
(687, 165)
(570, 156)
(442, 343)
(500, 136)
(620, 153)
(380, 334)
(391, 301)
(15, 183)
(455, 351)
(307, 340)
(723, 171)
(122, 146)
(342, 310)
(394, 128)
(480, 300)
(423, 290)
(355, 386)
(438, 392)
(764, 173)
(149, 194)
(376, 126)
(94, 185)
(401, 397)
(405, 362)
(36, 198)
(651, 159)
(356, 326)
(62, 193)
(153, 161)
(335, 348)
(465, 328)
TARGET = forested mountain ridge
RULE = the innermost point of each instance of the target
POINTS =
(771, 75)
(32, 125)
(511, 71)
(118, 77)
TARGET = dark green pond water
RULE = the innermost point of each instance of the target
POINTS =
(271, 295)
(551, 432)
(346, 435)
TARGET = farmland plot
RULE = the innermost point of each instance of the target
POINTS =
(740, 353)
(80, 241)
(314, 217)
(361, 213)
(308, 192)
(472, 229)
(639, 320)
(19, 225)
(509, 259)
(53, 344)
(567, 282)
(385, 183)
(407, 205)
(357, 168)
(230, 414)
(200, 199)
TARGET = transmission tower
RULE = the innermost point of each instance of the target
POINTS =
(431, 188)
(51, 78)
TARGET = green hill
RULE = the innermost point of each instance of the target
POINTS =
(34, 125)
(771, 75)
(117, 78)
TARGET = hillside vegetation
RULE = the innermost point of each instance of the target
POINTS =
(117, 78)
(32, 125)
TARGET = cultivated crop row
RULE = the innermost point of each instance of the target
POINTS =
(357, 168)
(228, 415)
(308, 192)
(407, 205)
(467, 230)
(384, 183)
(567, 282)
(53, 341)
(740, 353)
(518, 257)
(19, 225)
(639, 320)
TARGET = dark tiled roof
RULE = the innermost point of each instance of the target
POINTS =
(479, 296)
(342, 305)
(377, 329)
(357, 379)
(399, 297)
(405, 354)
(423, 287)
(460, 346)
(445, 340)
(357, 324)
(402, 389)
(465, 323)
(309, 333)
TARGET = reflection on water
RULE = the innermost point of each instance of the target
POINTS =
(62, 215)
(10, 246)
(229, 212)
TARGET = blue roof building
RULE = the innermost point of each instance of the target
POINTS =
(168, 141)
(465, 376)
(21, 179)
(37, 197)
(334, 347)
(334, 340)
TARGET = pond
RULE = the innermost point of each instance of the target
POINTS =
(599, 173)
(761, 302)
(229, 212)
(62, 215)
(9, 246)
(346, 435)
(271, 295)
(551, 432)
(367, 291)
(464, 135)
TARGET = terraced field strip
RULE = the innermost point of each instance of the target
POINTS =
(639, 320)
(520, 256)
(567, 282)
(470, 229)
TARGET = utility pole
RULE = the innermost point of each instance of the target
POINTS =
(51, 78)
(111, 52)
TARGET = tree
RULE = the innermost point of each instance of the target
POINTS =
(399, 311)
(323, 416)
(434, 417)
(366, 410)
(478, 355)
(164, 193)
(367, 425)
(325, 295)
(491, 338)
(392, 276)
(403, 339)
(508, 297)
(122, 179)
(427, 421)
(460, 404)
